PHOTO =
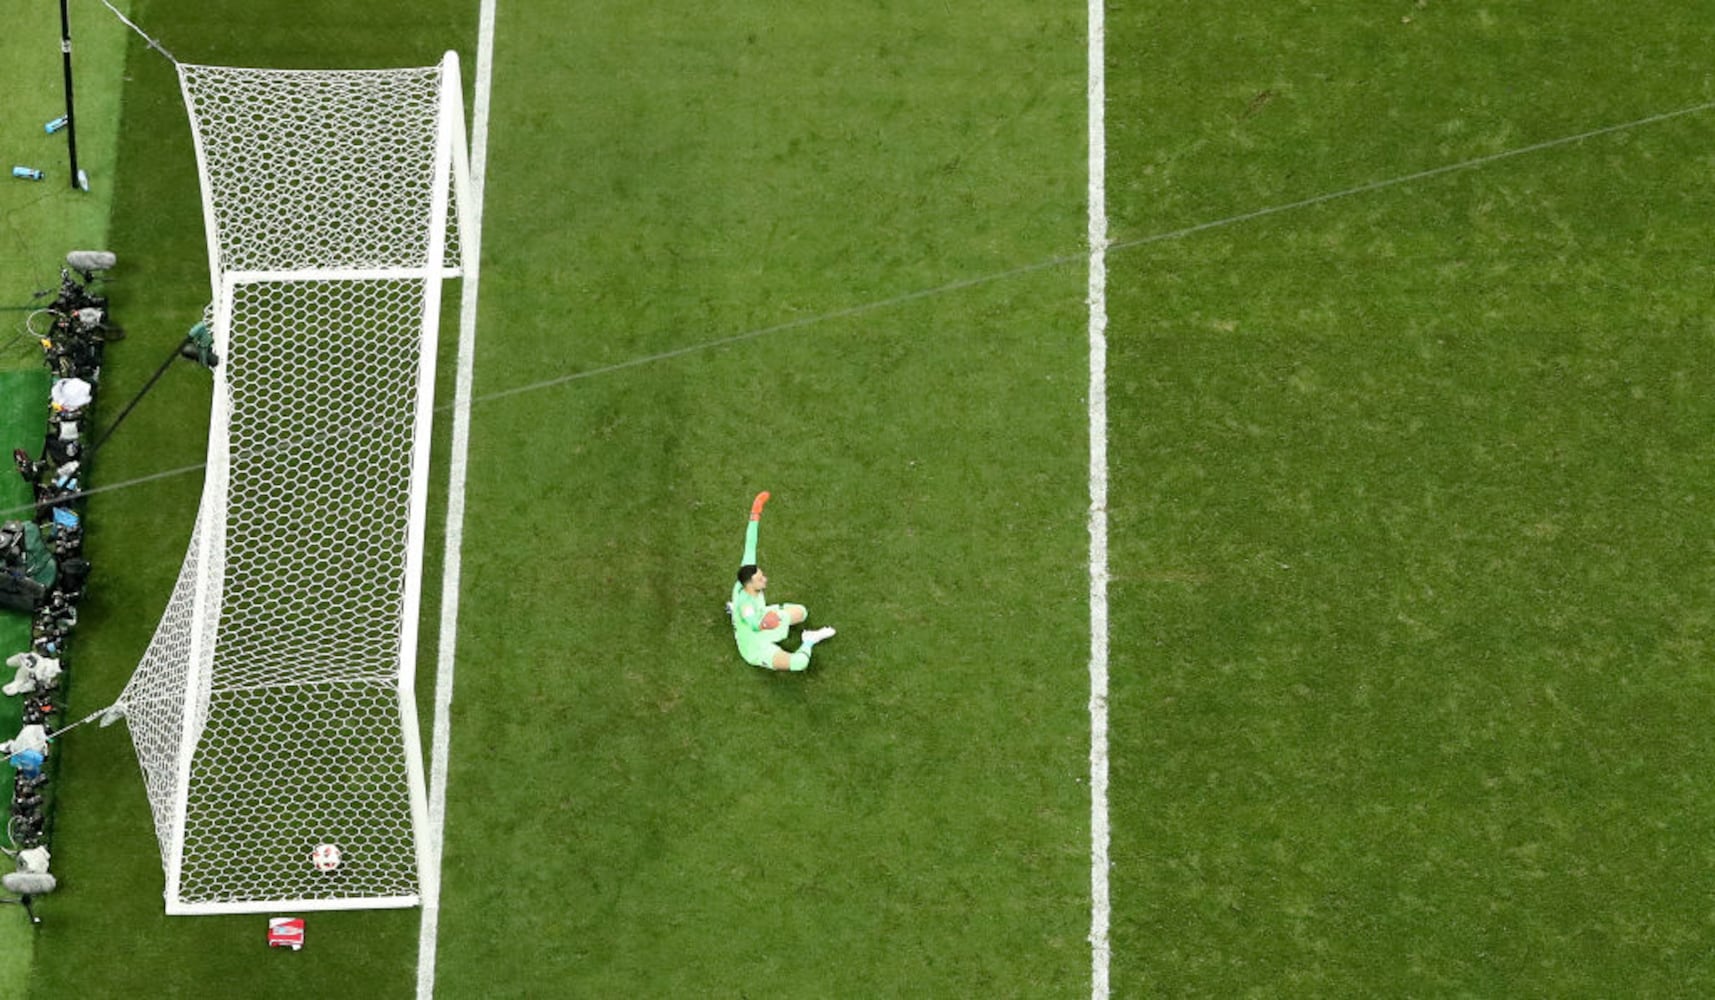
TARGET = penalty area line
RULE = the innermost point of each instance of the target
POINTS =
(1100, 904)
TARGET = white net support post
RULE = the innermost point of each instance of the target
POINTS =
(274, 711)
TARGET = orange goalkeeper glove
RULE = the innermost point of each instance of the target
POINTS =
(756, 506)
(771, 620)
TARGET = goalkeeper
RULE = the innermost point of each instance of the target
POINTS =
(759, 626)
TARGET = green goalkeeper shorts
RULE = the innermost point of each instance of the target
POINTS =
(764, 657)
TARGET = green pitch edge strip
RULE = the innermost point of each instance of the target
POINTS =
(23, 421)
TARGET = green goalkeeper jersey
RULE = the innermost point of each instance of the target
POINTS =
(749, 609)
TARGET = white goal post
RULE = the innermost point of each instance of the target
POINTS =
(275, 711)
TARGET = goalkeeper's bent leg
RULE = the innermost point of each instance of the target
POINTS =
(795, 662)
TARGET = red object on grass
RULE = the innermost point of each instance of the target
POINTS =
(286, 932)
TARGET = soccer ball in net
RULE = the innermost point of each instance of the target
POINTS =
(325, 857)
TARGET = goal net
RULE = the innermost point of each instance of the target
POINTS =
(274, 710)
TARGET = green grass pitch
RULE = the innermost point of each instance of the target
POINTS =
(1412, 580)
(1410, 587)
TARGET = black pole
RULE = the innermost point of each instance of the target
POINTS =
(71, 120)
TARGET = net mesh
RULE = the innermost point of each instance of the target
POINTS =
(156, 697)
(317, 169)
(269, 712)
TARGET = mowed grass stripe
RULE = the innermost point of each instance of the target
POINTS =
(643, 813)
(1408, 536)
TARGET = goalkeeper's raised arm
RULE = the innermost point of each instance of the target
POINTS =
(750, 531)
(758, 626)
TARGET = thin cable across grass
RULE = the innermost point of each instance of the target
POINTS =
(1061, 260)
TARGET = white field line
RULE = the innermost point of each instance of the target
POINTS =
(1100, 948)
(961, 284)
(457, 464)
